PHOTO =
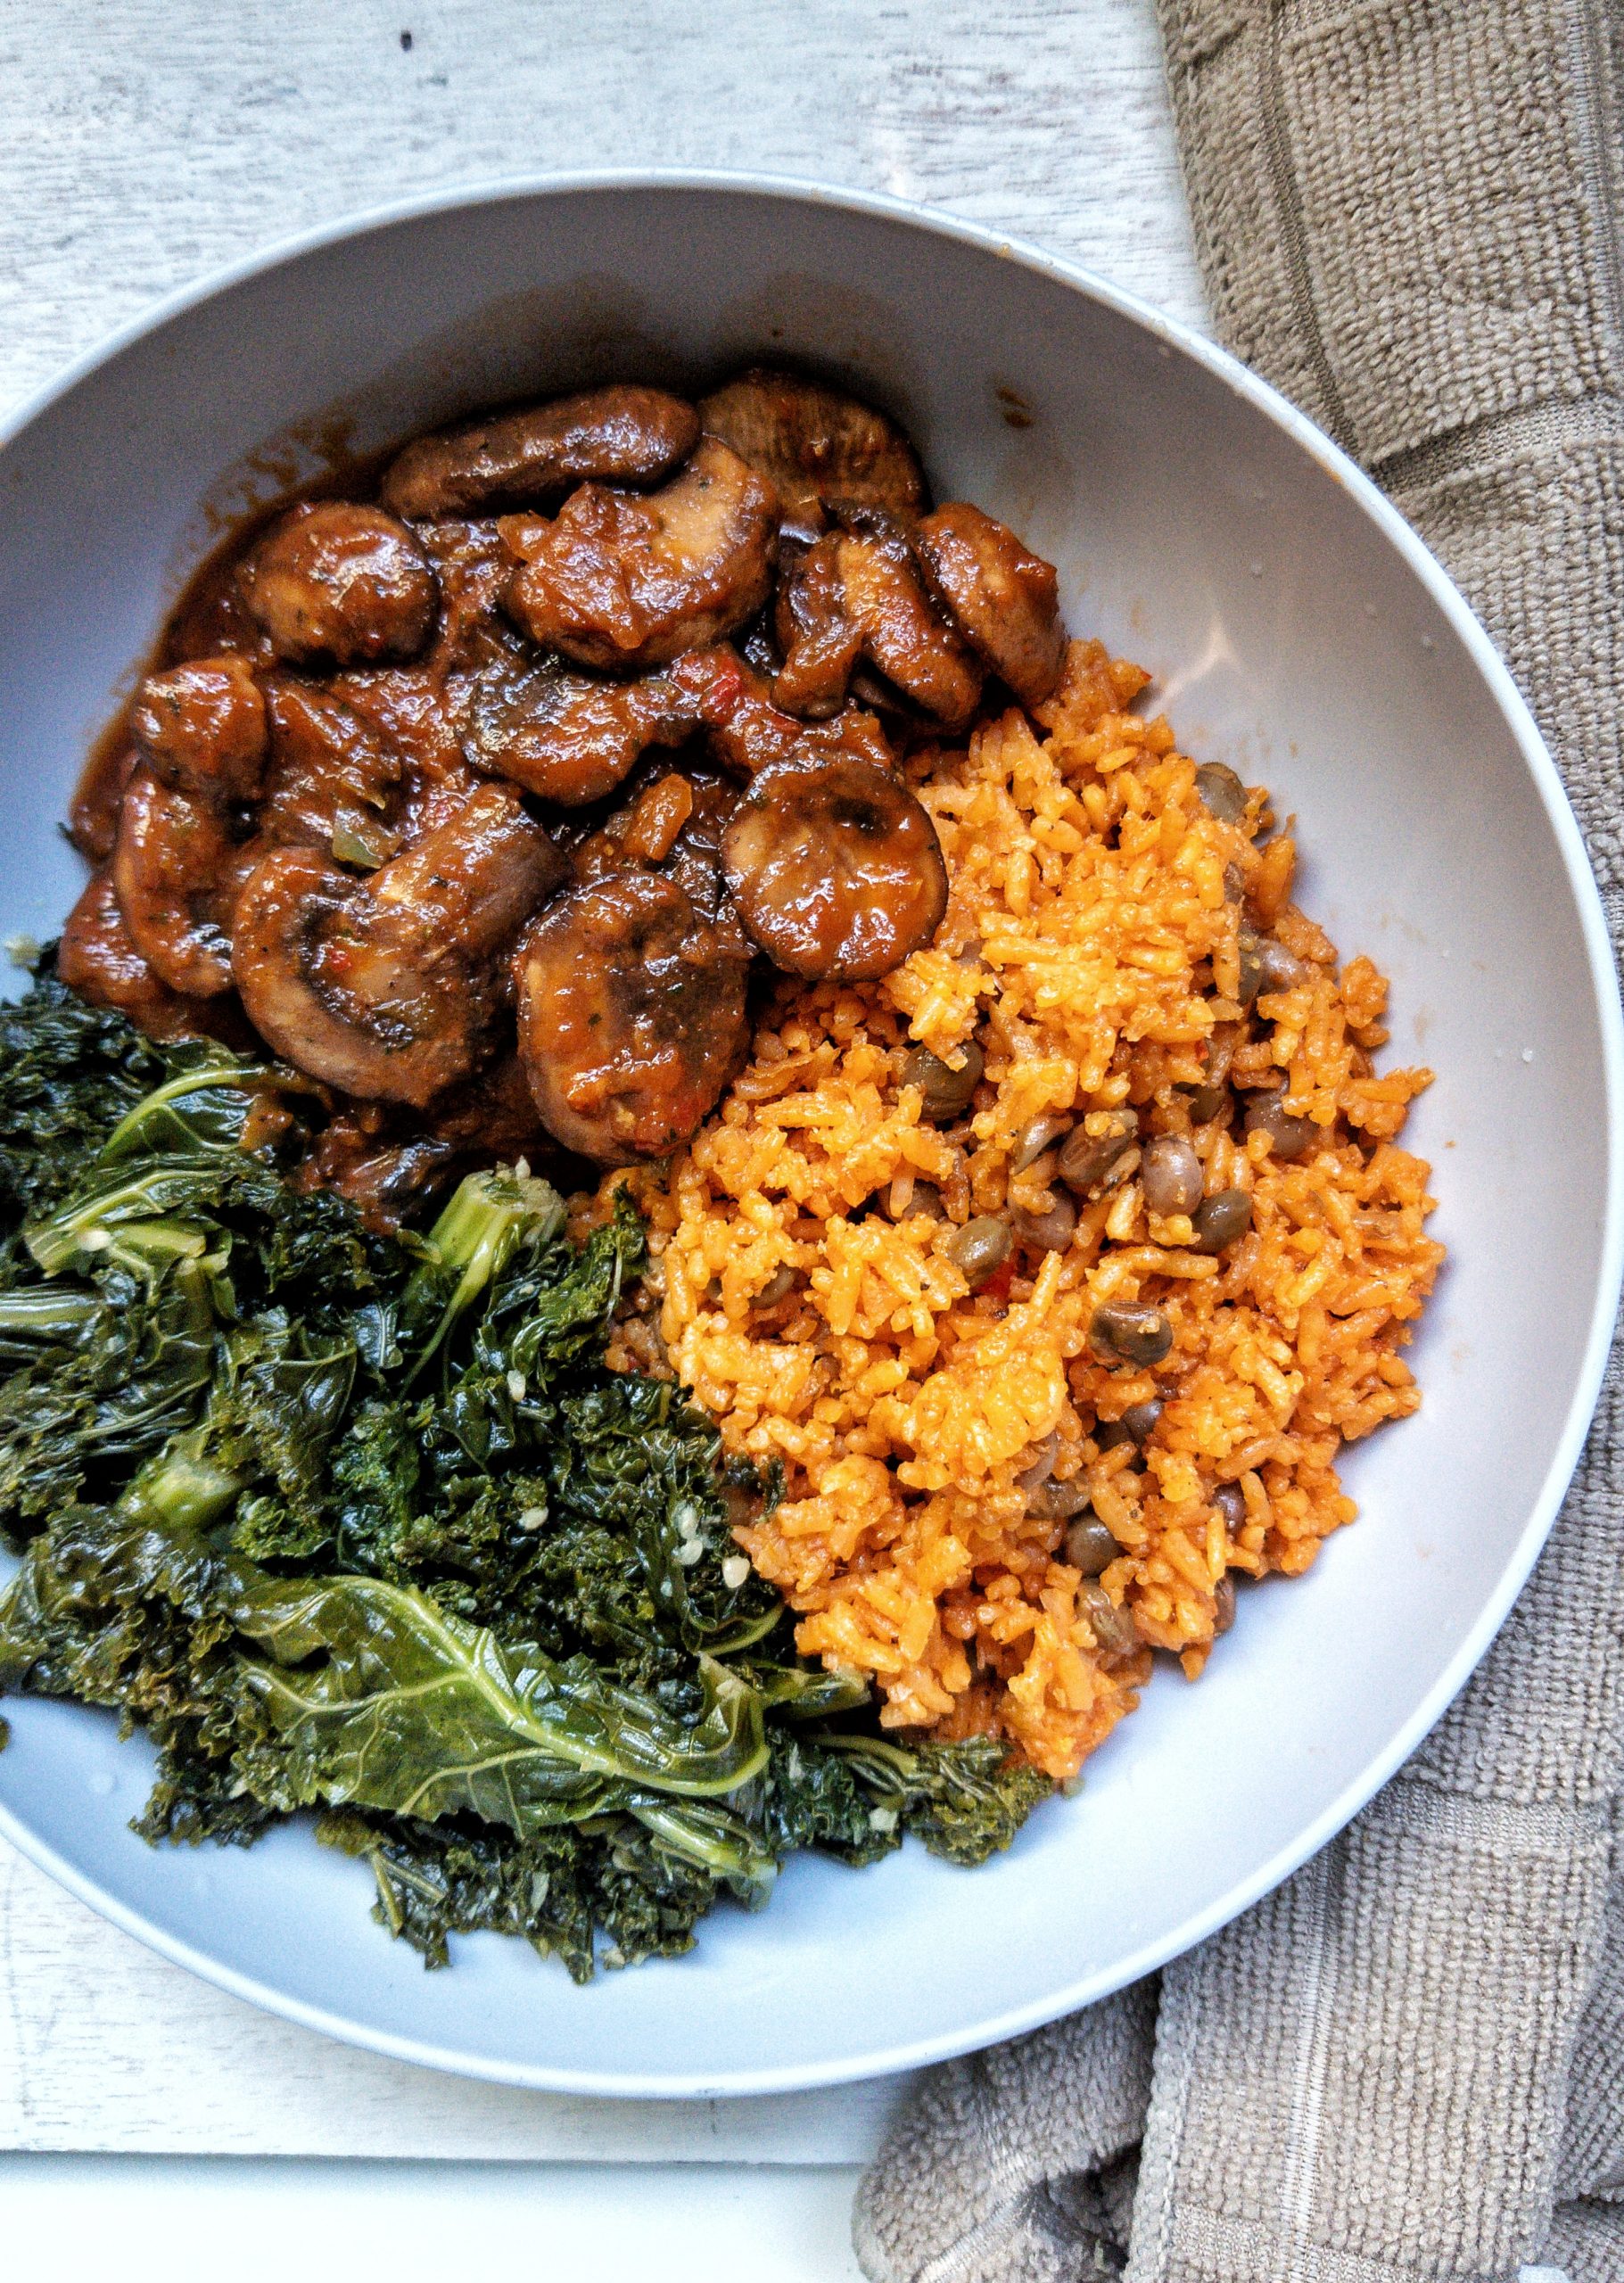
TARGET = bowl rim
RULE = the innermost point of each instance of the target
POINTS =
(1227, 369)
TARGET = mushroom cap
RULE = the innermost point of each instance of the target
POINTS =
(835, 867)
(631, 1017)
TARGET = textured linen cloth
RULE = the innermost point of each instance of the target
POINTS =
(1409, 2062)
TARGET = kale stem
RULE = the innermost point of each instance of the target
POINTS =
(489, 1216)
(88, 1224)
(181, 1488)
(133, 1135)
(49, 1315)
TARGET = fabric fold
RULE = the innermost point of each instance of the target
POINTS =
(1006, 2164)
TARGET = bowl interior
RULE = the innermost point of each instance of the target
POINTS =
(1291, 635)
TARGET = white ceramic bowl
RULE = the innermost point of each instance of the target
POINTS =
(1296, 630)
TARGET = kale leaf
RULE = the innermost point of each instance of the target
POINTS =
(68, 1072)
(364, 1523)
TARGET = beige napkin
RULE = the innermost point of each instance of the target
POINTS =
(1409, 2062)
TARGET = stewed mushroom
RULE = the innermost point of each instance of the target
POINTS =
(337, 581)
(631, 1017)
(176, 868)
(902, 633)
(96, 956)
(565, 736)
(815, 446)
(389, 987)
(611, 435)
(399, 777)
(202, 728)
(328, 767)
(835, 867)
(1003, 598)
(621, 579)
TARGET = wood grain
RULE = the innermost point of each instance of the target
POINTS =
(104, 2045)
(145, 144)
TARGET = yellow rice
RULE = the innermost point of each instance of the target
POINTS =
(1089, 921)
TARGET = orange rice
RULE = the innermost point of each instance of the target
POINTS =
(1094, 914)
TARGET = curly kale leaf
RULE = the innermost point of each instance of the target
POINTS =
(114, 1611)
(436, 1880)
(364, 1523)
(363, 1693)
(119, 1369)
(966, 1800)
(68, 1072)
(307, 1253)
(381, 1699)
(276, 1412)
(814, 1799)
(558, 1890)
(612, 1892)
(640, 1464)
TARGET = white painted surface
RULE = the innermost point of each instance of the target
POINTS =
(104, 2045)
(421, 2223)
(144, 143)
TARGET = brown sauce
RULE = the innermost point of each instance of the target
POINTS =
(558, 667)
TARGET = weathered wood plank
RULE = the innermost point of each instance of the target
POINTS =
(145, 145)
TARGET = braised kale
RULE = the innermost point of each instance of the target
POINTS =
(363, 1524)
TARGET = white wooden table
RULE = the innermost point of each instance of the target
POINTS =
(142, 143)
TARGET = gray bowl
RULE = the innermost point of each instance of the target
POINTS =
(1296, 630)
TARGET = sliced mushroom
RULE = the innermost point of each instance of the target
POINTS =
(329, 768)
(621, 581)
(835, 867)
(821, 642)
(409, 709)
(336, 581)
(472, 564)
(93, 813)
(882, 697)
(97, 957)
(1002, 598)
(176, 867)
(201, 728)
(815, 444)
(389, 987)
(517, 459)
(903, 633)
(631, 1017)
(747, 729)
(566, 735)
(638, 836)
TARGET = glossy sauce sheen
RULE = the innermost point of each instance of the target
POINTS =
(492, 772)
